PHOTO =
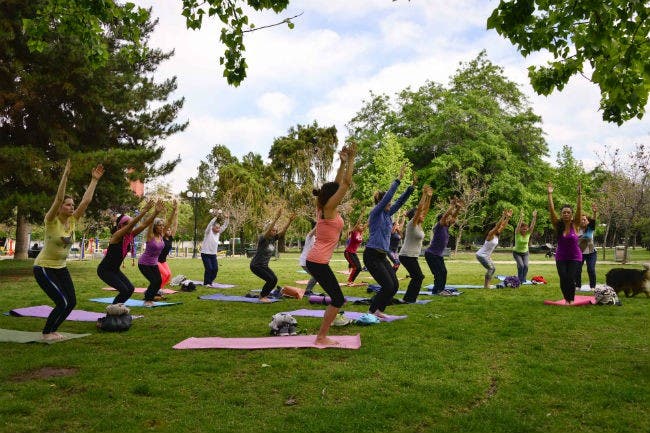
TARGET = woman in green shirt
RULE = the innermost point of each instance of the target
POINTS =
(522, 238)
(50, 268)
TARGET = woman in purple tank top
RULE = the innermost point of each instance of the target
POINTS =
(148, 262)
(568, 255)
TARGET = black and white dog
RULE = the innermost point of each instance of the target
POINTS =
(630, 281)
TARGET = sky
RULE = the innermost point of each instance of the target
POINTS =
(338, 52)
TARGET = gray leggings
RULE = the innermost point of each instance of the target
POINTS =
(487, 264)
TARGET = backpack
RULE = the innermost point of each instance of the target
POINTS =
(605, 295)
(177, 280)
(117, 319)
(188, 286)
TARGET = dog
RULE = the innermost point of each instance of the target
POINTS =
(630, 281)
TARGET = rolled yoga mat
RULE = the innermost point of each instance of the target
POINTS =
(292, 341)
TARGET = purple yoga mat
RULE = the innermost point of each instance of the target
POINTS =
(354, 315)
(293, 341)
(232, 298)
(44, 310)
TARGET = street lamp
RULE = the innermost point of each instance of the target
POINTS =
(195, 196)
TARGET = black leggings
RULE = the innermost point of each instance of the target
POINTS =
(57, 284)
(567, 271)
(151, 273)
(439, 271)
(412, 265)
(265, 273)
(355, 265)
(326, 278)
(117, 280)
(382, 271)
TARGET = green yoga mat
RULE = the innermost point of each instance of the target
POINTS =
(13, 336)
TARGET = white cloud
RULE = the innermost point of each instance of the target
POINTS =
(276, 104)
(338, 51)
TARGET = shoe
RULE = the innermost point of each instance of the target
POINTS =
(341, 320)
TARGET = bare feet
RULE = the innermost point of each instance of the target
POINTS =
(148, 303)
(265, 300)
(53, 336)
(326, 341)
(380, 314)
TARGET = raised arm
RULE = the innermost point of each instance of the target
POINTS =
(344, 179)
(449, 217)
(88, 195)
(160, 206)
(172, 219)
(148, 222)
(60, 194)
(424, 204)
(533, 222)
(284, 229)
(521, 220)
(551, 206)
(128, 227)
(578, 214)
(271, 226)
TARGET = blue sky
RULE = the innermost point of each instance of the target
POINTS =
(337, 53)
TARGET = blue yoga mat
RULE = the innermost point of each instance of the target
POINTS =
(134, 302)
(232, 298)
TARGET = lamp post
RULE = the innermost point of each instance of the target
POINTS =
(195, 196)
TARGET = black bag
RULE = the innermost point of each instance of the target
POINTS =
(188, 286)
(115, 323)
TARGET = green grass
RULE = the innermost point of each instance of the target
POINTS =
(486, 361)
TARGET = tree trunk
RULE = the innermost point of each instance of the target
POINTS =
(23, 229)
(458, 240)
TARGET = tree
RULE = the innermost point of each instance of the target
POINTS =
(55, 103)
(611, 35)
(478, 127)
(625, 192)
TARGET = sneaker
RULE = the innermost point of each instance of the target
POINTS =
(341, 320)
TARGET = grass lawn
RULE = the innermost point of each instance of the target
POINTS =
(485, 361)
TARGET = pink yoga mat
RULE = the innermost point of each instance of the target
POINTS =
(43, 311)
(293, 341)
(577, 301)
(143, 289)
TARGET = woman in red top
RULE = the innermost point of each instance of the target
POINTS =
(354, 241)
(328, 231)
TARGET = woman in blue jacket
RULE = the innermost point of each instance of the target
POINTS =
(380, 225)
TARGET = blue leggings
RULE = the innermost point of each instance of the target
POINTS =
(522, 265)
(57, 284)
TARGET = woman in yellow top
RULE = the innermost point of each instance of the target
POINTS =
(50, 268)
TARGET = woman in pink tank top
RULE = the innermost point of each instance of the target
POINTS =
(328, 231)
